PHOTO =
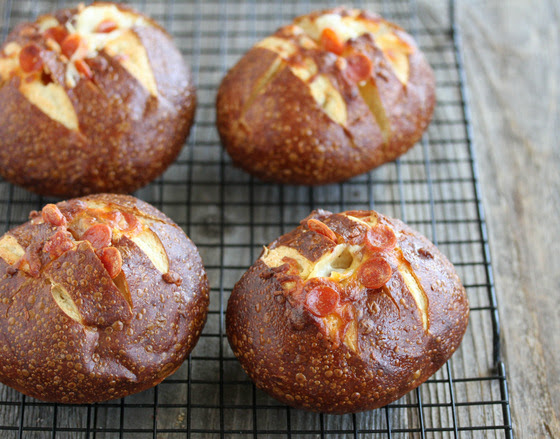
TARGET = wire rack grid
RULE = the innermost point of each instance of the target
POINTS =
(230, 215)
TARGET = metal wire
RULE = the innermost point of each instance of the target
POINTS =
(229, 215)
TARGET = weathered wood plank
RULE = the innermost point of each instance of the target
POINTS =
(511, 54)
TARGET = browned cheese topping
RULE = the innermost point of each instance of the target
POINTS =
(362, 259)
(348, 35)
(74, 42)
(83, 227)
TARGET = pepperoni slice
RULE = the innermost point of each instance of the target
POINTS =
(114, 218)
(59, 243)
(51, 214)
(381, 238)
(375, 272)
(112, 260)
(359, 67)
(99, 235)
(331, 41)
(106, 26)
(30, 58)
(83, 68)
(320, 227)
(322, 300)
(57, 33)
(123, 221)
(71, 44)
(131, 223)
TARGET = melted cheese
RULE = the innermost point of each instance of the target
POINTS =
(10, 249)
(274, 258)
(10, 62)
(328, 265)
(46, 22)
(396, 51)
(329, 99)
(120, 42)
(52, 100)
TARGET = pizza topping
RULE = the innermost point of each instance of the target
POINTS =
(335, 31)
(106, 26)
(331, 41)
(320, 227)
(99, 235)
(30, 58)
(56, 33)
(293, 265)
(380, 238)
(129, 223)
(32, 259)
(52, 215)
(329, 288)
(375, 272)
(83, 68)
(111, 259)
(359, 67)
(291, 284)
(59, 243)
(73, 46)
(122, 221)
(321, 300)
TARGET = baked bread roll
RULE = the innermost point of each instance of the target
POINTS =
(100, 297)
(332, 95)
(94, 99)
(346, 313)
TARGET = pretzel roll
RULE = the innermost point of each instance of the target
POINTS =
(346, 313)
(94, 99)
(100, 297)
(333, 95)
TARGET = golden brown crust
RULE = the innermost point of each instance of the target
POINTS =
(73, 333)
(118, 130)
(370, 346)
(278, 123)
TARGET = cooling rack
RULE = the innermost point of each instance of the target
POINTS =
(230, 215)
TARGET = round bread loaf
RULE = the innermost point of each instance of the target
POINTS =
(100, 297)
(331, 96)
(94, 99)
(346, 313)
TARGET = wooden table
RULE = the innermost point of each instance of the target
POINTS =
(511, 52)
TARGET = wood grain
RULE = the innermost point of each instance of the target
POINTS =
(512, 65)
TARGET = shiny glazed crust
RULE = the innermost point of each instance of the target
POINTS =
(359, 348)
(290, 111)
(113, 125)
(77, 328)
